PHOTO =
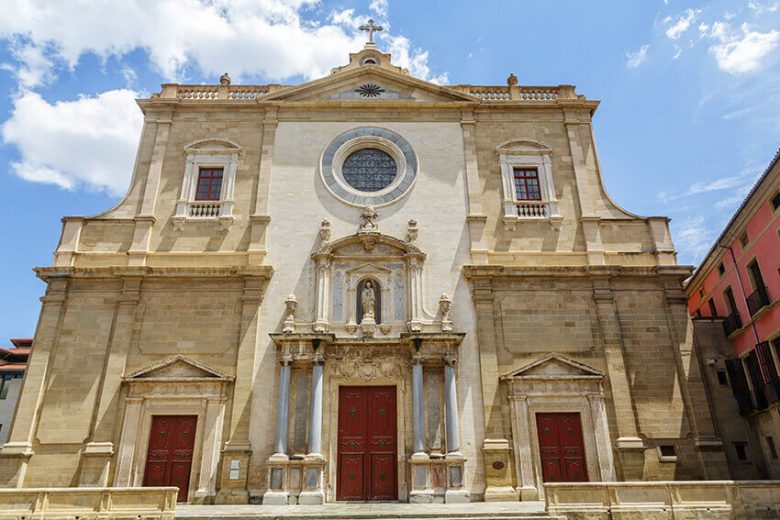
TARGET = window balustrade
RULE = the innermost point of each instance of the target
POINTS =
(757, 300)
(732, 323)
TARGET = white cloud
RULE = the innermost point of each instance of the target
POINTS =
(678, 26)
(412, 58)
(693, 238)
(90, 141)
(379, 7)
(739, 52)
(635, 59)
(244, 37)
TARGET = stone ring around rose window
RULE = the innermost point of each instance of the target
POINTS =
(369, 166)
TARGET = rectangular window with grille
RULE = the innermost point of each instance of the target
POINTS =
(527, 184)
(209, 184)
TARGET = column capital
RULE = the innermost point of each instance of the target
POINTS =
(318, 359)
(285, 360)
(451, 360)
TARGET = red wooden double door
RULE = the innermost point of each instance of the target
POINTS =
(367, 443)
(169, 458)
(561, 447)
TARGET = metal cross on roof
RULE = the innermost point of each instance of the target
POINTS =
(371, 28)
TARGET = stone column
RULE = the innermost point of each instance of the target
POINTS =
(278, 474)
(522, 446)
(601, 432)
(126, 452)
(450, 406)
(283, 408)
(455, 460)
(415, 294)
(323, 294)
(314, 463)
(315, 416)
(418, 411)
(212, 442)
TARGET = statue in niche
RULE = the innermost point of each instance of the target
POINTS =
(369, 302)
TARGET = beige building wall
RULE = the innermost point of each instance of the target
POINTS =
(141, 299)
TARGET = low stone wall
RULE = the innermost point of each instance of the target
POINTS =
(88, 503)
(681, 500)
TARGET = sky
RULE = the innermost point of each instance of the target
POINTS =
(689, 115)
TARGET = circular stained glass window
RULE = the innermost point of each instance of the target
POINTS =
(369, 169)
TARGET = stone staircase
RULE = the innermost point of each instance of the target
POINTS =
(372, 511)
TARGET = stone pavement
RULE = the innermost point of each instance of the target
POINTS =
(373, 510)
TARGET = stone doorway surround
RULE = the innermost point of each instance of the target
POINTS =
(556, 383)
(176, 386)
(311, 478)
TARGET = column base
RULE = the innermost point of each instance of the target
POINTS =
(276, 498)
(497, 471)
(456, 496)
(500, 494)
(528, 493)
(311, 498)
(421, 496)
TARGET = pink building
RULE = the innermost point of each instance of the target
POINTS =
(734, 298)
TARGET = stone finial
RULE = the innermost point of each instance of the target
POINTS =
(412, 231)
(511, 80)
(224, 79)
(369, 217)
(289, 321)
(445, 302)
(325, 230)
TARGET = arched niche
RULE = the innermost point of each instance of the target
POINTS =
(343, 265)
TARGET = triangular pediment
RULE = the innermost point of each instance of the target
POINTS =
(370, 83)
(554, 365)
(176, 368)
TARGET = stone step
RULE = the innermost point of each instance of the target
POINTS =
(373, 511)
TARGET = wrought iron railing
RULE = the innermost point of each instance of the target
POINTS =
(757, 300)
(732, 323)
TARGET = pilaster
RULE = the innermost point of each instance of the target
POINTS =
(630, 446)
(260, 217)
(16, 453)
(235, 466)
(476, 219)
(99, 452)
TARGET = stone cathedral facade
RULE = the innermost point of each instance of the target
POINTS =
(363, 287)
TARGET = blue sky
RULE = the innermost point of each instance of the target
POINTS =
(690, 91)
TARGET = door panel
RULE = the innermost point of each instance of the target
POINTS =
(169, 457)
(367, 451)
(561, 447)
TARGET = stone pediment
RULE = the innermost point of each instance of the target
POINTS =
(176, 368)
(554, 365)
(370, 83)
(373, 243)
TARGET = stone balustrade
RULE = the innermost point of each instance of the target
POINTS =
(249, 93)
(714, 500)
(204, 209)
(105, 503)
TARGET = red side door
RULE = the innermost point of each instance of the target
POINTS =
(169, 457)
(561, 447)
(367, 446)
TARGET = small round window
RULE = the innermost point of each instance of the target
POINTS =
(369, 169)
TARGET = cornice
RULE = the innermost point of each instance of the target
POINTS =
(259, 271)
(502, 271)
